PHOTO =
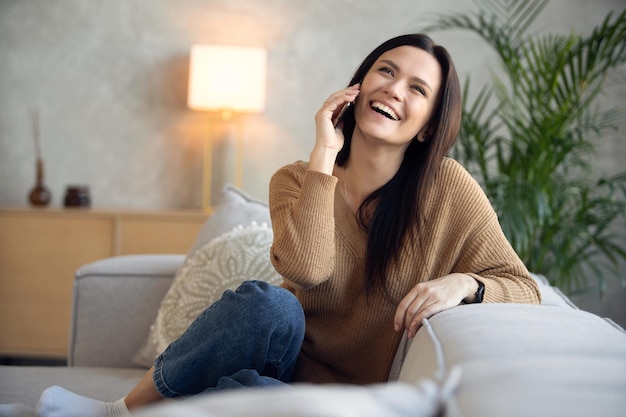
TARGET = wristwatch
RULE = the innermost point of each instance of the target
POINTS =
(478, 296)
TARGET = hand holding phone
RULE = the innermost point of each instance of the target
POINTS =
(337, 117)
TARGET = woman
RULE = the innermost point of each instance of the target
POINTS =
(375, 233)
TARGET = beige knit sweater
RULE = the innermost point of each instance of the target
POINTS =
(319, 250)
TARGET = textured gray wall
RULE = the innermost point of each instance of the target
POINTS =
(109, 79)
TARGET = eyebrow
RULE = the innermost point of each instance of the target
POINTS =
(397, 68)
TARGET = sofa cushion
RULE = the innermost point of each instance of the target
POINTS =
(235, 208)
(538, 351)
(305, 400)
(551, 295)
(24, 384)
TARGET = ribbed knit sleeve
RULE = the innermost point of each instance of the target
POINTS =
(301, 208)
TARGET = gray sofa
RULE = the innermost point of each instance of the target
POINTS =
(115, 301)
(472, 360)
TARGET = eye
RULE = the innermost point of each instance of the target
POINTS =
(386, 70)
(417, 88)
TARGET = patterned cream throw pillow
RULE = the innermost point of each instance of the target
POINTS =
(224, 263)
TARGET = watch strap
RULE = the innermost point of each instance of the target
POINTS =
(480, 292)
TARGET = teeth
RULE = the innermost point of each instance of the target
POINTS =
(385, 110)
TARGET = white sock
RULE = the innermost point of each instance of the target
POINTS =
(59, 402)
(117, 408)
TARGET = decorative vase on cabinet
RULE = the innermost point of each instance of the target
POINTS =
(40, 195)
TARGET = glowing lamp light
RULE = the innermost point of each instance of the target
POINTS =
(227, 79)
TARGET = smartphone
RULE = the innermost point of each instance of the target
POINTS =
(337, 118)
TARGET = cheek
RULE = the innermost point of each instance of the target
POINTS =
(367, 81)
(420, 114)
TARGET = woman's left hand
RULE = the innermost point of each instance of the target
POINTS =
(431, 297)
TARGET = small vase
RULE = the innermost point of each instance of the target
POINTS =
(40, 195)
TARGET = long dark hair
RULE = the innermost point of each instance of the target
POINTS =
(400, 201)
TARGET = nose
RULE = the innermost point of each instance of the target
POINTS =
(393, 89)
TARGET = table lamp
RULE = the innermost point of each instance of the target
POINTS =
(225, 80)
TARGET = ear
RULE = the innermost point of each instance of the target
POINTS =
(424, 134)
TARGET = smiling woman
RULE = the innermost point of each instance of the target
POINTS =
(375, 233)
(409, 233)
(379, 230)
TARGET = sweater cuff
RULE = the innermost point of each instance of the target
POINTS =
(318, 191)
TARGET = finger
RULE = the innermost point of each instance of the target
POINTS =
(428, 302)
(341, 97)
(426, 312)
(403, 308)
(338, 114)
(416, 306)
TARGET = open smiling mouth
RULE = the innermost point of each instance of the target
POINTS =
(384, 110)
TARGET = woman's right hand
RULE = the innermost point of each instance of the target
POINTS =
(328, 139)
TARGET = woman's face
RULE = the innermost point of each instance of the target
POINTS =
(398, 96)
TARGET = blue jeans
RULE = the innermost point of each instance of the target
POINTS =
(249, 337)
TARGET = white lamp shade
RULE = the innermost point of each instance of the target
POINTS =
(225, 78)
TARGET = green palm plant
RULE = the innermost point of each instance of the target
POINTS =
(529, 136)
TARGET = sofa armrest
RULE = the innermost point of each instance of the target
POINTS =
(115, 302)
(521, 360)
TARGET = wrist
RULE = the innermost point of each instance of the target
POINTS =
(323, 160)
(475, 293)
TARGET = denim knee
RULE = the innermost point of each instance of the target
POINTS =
(259, 327)
(280, 312)
(263, 300)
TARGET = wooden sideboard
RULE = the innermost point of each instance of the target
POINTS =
(40, 249)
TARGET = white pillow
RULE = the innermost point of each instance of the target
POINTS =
(224, 263)
(235, 207)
